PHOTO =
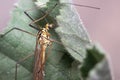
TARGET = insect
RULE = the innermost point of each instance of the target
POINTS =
(43, 40)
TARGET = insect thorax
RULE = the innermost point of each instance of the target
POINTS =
(44, 37)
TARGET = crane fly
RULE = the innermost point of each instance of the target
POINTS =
(43, 40)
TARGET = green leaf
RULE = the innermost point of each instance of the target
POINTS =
(72, 32)
(61, 64)
(70, 28)
(102, 71)
(16, 45)
(95, 65)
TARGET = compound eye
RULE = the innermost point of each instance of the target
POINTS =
(51, 25)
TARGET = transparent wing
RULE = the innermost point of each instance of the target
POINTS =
(38, 63)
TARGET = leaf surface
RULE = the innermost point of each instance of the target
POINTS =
(63, 61)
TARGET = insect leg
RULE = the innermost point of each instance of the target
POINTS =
(49, 51)
(47, 13)
(26, 13)
(2, 35)
(16, 66)
(93, 7)
(52, 40)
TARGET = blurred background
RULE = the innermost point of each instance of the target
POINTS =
(102, 25)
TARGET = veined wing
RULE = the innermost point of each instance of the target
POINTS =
(39, 61)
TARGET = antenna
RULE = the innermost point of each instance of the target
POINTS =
(83, 5)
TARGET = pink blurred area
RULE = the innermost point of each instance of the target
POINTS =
(102, 25)
(5, 8)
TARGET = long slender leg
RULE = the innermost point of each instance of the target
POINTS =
(52, 40)
(2, 35)
(48, 51)
(47, 13)
(16, 66)
(26, 13)
(43, 17)
(93, 7)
